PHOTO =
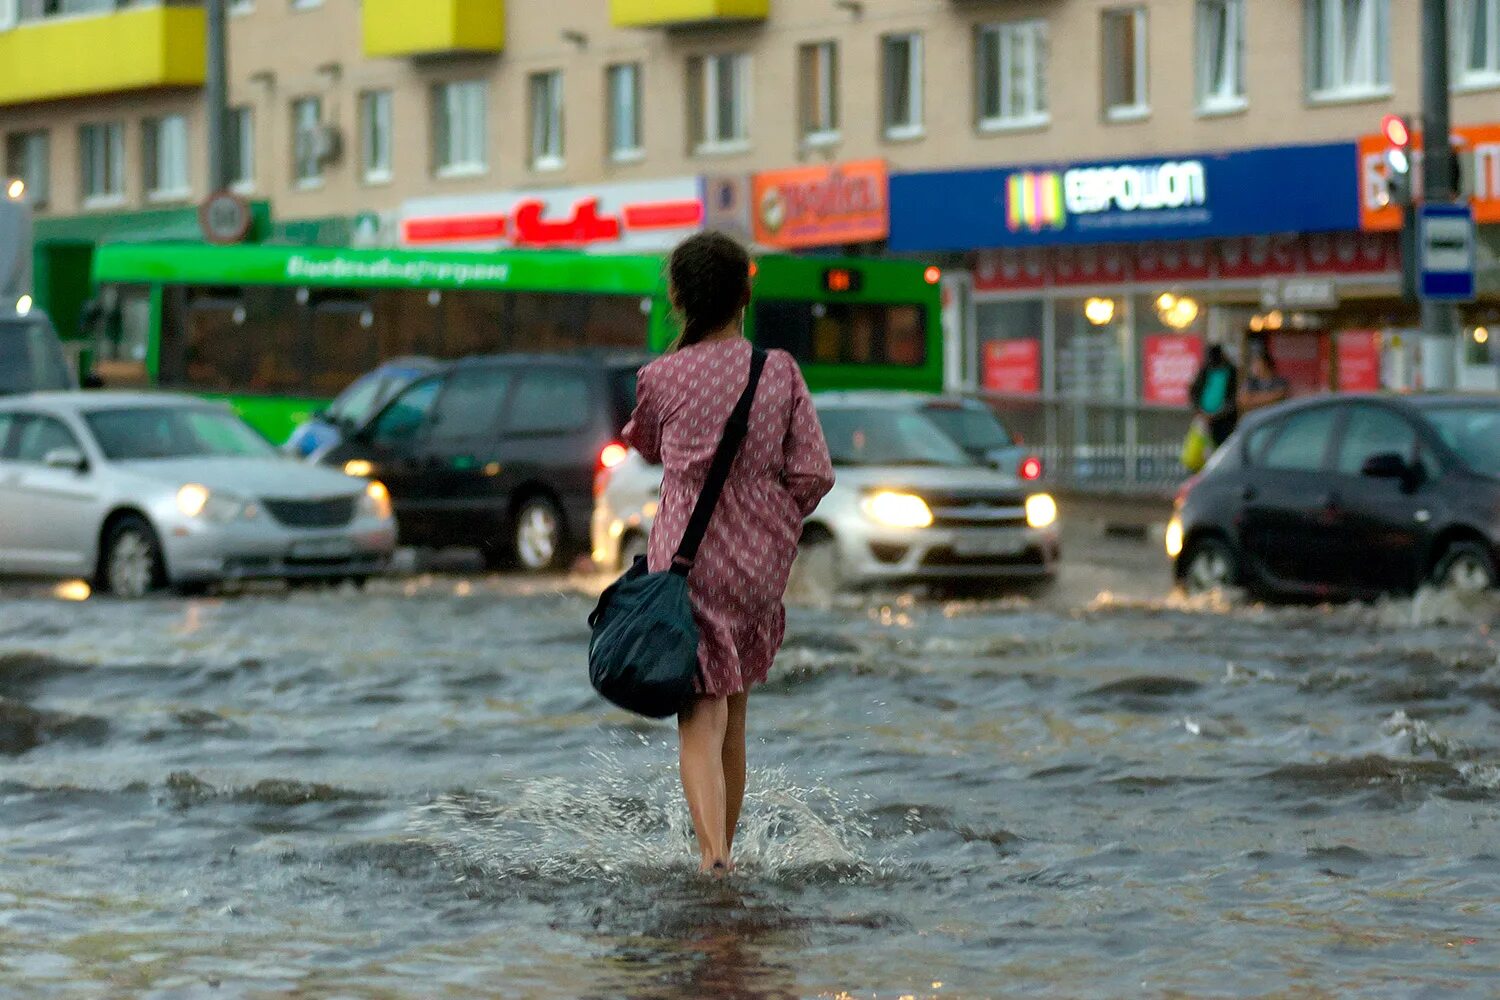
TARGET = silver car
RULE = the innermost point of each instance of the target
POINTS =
(909, 504)
(137, 492)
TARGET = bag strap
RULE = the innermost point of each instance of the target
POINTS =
(718, 473)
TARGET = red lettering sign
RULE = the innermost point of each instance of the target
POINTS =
(1359, 360)
(1170, 362)
(1013, 367)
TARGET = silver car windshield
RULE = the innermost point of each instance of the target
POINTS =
(859, 436)
(147, 433)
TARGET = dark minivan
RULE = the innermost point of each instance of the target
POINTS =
(499, 454)
(1353, 495)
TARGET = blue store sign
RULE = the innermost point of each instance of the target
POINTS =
(1252, 192)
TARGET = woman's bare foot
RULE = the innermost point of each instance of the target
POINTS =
(717, 868)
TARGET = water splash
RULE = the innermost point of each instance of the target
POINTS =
(619, 825)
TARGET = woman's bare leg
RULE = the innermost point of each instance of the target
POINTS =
(734, 767)
(700, 731)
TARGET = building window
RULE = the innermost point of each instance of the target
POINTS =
(241, 6)
(460, 130)
(240, 137)
(1013, 74)
(818, 87)
(1221, 55)
(375, 136)
(547, 120)
(624, 85)
(307, 141)
(901, 60)
(102, 169)
(1125, 61)
(1478, 42)
(28, 156)
(1349, 48)
(719, 102)
(164, 145)
(306, 4)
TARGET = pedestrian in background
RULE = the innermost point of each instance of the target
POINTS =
(739, 577)
(1215, 394)
(1263, 387)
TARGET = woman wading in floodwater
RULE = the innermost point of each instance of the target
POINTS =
(740, 574)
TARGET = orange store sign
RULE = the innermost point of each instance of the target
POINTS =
(1479, 151)
(822, 206)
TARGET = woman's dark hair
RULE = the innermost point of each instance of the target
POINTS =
(710, 276)
(1215, 357)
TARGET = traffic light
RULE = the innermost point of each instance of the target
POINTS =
(1398, 160)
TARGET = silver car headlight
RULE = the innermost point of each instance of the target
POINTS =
(895, 509)
(375, 501)
(202, 503)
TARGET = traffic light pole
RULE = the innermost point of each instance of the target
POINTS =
(1439, 185)
(216, 97)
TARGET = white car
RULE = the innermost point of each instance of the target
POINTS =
(138, 492)
(908, 505)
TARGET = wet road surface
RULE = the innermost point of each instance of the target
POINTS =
(413, 793)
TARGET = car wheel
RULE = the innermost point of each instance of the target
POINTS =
(132, 565)
(538, 535)
(632, 547)
(1466, 568)
(1211, 565)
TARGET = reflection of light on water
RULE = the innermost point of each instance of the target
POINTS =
(72, 590)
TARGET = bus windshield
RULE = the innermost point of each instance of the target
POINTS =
(148, 433)
(31, 358)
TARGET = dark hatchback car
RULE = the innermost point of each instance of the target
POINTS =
(1352, 496)
(499, 454)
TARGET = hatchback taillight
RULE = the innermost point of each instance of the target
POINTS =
(1030, 469)
(611, 456)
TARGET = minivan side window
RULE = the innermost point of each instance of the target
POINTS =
(550, 401)
(1371, 431)
(7, 421)
(400, 422)
(1302, 443)
(470, 404)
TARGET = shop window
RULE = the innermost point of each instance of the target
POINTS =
(1221, 55)
(1478, 42)
(902, 71)
(1126, 54)
(843, 333)
(818, 87)
(1093, 351)
(1012, 61)
(1348, 48)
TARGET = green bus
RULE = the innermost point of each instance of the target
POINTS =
(280, 330)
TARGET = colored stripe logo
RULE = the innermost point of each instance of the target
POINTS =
(1034, 201)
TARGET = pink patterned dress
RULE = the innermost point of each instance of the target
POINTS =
(780, 474)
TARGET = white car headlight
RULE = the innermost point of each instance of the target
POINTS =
(198, 501)
(897, 510)
(376, 501)
(1173, 539)
(1041, 510)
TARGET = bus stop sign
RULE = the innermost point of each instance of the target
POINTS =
(1445, 245)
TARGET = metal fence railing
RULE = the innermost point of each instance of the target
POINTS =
(1090, 445)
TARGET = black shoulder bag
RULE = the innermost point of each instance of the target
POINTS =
(643, 655)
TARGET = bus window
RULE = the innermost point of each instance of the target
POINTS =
(251, 340)
(407, 324)
(342, 346)
(843, 332)
(121, 339)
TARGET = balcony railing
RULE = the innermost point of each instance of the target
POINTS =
(666, 13)
(83, 48)
(433, 27)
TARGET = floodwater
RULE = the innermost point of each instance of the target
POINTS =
(414, 793)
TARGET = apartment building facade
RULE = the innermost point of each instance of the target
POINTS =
(428, 118)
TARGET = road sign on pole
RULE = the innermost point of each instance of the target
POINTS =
(1445, 245)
